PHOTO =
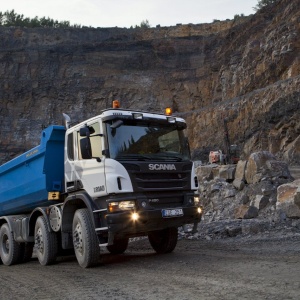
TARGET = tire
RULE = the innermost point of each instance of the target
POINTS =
(10, 250)
(85, 240)
(45, 243)
(119, 246)
(26, 252)
(163, 241)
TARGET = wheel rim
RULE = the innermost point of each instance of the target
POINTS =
(39, 241)
(77, 239)
(5, 244)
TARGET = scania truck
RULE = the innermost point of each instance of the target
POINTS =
(118, 175)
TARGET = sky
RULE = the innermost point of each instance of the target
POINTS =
(127, 13)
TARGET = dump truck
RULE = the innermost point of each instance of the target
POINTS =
(118, 175)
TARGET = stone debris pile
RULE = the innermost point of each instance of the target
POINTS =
(258, 194)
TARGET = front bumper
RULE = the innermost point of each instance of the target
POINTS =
(122, 223)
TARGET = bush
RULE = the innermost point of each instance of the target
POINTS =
(263, 3)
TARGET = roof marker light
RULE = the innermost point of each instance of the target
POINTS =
(116, 104)
(168, 111)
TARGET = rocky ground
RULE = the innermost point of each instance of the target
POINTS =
(262, 266)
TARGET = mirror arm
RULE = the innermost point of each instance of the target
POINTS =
(98, 159)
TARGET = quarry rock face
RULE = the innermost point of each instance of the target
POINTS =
(245, 70)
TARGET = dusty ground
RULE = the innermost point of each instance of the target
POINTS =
(260, 267)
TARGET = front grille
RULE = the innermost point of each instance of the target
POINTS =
(160, 181)
(144, 180)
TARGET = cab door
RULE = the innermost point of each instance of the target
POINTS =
(84, 173)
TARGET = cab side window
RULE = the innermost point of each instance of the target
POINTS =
(95, 141)
(70, 146)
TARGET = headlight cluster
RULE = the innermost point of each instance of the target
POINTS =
(121, 206)
(197, 203)
(196, 199)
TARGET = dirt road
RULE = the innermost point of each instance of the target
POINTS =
(233, 268)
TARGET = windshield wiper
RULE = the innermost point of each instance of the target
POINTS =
(133, 157)
(166, 156)
(156, 156)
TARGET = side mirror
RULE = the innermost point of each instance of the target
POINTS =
(84, 131)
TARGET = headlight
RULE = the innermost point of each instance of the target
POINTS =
(135, 216)
(126, 205)
(196, 200)
(121, 206)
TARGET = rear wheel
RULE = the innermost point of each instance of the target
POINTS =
(85, 240)
(45, 243)
(119, 246)
(163, 241)
(10, 250)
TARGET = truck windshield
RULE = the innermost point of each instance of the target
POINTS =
(138, 141)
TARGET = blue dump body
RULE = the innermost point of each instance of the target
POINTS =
(26, 180)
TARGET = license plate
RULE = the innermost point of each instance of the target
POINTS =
(169, 213)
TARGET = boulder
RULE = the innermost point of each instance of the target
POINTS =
(238, 184)
(260, 201)
(229, 193)
(227, 172)
(263, 165)
(288, 199)
(240, 170)
(215, 172)
(246, 212)
(204, 173)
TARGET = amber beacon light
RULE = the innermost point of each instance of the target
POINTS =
(116, 104)
(168, 111)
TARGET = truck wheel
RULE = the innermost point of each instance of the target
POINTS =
(85, 240)
(163, 241)
(26, 252)
(45, 243)
(9, 249)
(119, 246)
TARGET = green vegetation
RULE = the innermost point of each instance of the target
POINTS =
(263, 3)
(237, 16)
(11, 18)
(143, 24)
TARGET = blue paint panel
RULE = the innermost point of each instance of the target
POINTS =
(26, 180)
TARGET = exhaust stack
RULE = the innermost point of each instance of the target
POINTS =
(67, 121)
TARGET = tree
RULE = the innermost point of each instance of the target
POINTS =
(144, 24)
(263, 3)
(11, 18)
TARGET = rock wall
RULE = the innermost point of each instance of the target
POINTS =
(260, 187)
(244, 70)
